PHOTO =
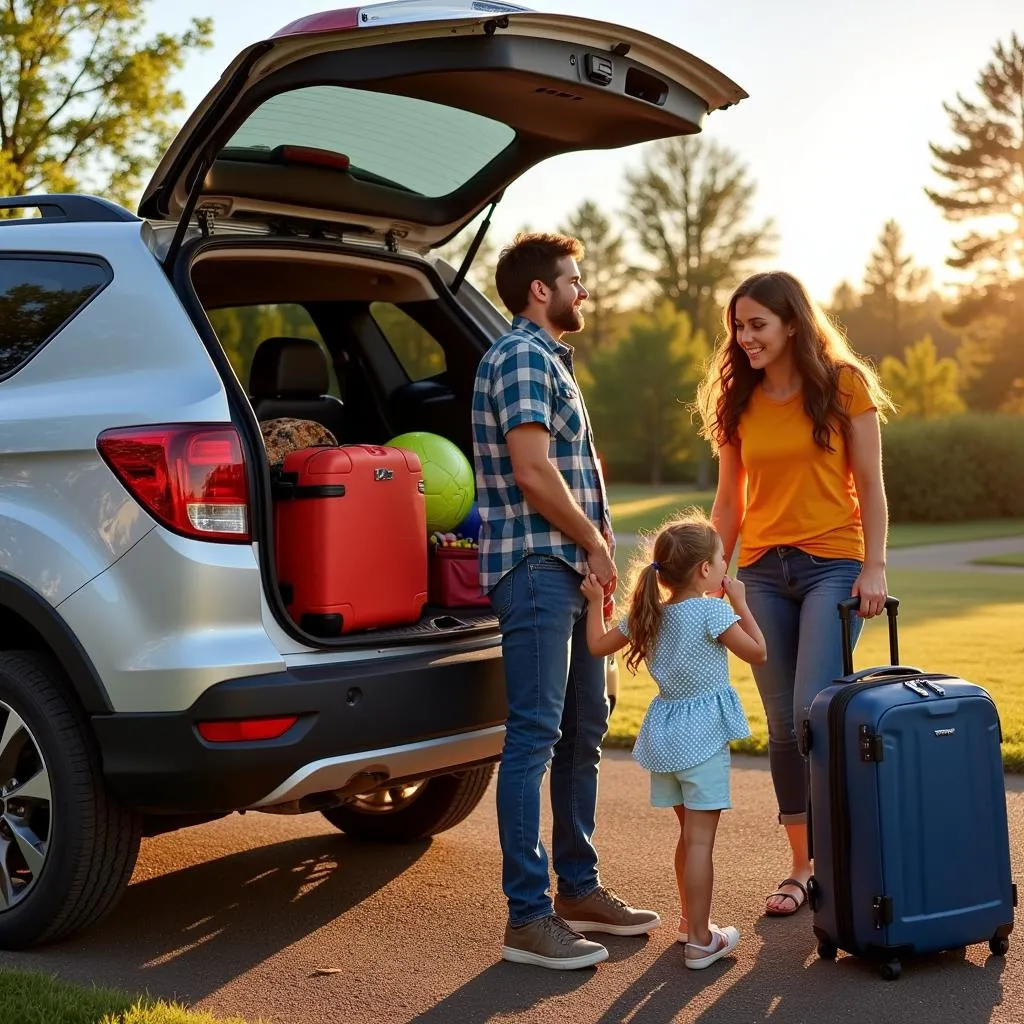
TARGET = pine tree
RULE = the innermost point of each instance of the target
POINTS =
(891, 281)
(986, 169)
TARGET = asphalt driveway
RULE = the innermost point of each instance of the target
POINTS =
(285, 918)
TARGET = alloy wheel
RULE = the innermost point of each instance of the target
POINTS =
(26, 809)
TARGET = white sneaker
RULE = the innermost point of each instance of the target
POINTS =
(684, 938)
(723, 942)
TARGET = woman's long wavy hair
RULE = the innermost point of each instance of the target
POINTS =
(820, 351)
(677, 549)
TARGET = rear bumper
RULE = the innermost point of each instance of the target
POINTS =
(359, 723)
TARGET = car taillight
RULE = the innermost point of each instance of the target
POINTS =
(240, 730)
(189, 478)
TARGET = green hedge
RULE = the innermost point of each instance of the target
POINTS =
(961, 467)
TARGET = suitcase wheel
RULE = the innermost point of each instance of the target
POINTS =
(890, 970)
(999, 945)
(826, 950)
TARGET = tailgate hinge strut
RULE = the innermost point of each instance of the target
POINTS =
(474, 247)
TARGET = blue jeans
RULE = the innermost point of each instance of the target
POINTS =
(793, 596)
(557, 715)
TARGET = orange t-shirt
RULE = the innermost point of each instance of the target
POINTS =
(798, 494)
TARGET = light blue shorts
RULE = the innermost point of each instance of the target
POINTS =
(704, 787)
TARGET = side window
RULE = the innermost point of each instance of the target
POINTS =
(37, 298)
(241, 330)
(414, 347)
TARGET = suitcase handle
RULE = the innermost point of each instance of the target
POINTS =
(879, 670)
(851, 604)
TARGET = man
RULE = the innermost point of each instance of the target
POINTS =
(545, 524)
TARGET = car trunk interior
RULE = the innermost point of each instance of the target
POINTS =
(399, 356)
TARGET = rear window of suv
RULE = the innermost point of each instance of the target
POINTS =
(38, 296)
(421, 147)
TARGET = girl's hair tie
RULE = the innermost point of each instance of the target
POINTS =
(656, 566)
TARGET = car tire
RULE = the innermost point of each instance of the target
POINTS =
(81, 842)
(407, 813)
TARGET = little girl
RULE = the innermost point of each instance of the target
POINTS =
(684, 739)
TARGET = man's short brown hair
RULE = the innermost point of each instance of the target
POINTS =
(532, 256)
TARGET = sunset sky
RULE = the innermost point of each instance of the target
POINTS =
(844, 100)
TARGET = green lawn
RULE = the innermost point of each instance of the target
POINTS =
(1014, 559)
(909, 535)
(636, 507)
(958, 622)
(29, 998)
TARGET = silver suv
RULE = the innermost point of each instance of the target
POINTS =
(281, 264)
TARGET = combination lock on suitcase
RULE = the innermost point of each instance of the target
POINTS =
(907, 812)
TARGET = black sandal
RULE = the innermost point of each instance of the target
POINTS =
(797, 903)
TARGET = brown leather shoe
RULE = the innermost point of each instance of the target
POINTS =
(603, 911)
(550, 942)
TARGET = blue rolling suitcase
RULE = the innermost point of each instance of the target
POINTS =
(907, 813)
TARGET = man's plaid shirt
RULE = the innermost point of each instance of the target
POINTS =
(526, 377)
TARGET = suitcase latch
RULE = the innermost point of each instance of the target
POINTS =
(915, 685)
(871, 748)
(882, 906)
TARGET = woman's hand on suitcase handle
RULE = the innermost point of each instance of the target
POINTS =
(870, 586)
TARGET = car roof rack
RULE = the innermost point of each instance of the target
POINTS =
(72, 209)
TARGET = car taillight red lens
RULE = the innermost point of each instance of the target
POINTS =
(189, 478)
(242, 730)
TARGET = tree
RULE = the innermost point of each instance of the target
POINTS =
(845, 299)
(605, 273)
(891, 281)
(871, 336)
(689, 207)
(84, 103)
(923, 385)
(986, 169)
(992, 347)
(641, 391)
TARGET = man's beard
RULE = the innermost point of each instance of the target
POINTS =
(567, 318)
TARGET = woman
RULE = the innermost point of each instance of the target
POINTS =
(793, 414)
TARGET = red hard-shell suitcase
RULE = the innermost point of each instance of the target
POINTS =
(351, 538)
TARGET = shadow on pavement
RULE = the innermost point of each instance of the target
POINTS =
(789, 985)
(506, 991)
(185, 934)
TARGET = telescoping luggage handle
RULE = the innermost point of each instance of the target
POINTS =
(846, 608)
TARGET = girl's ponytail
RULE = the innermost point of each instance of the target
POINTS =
(645, 610)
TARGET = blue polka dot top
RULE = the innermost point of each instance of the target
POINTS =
(697, 710)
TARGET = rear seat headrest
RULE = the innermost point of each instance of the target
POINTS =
(289, 368)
